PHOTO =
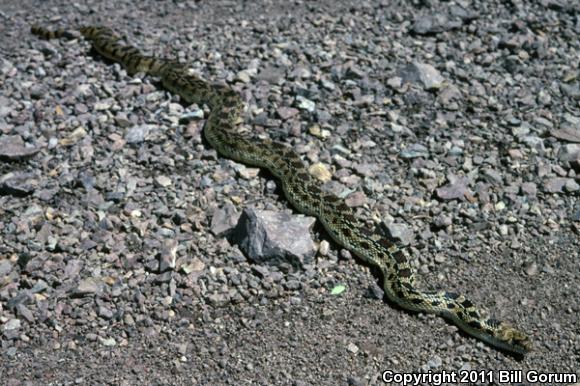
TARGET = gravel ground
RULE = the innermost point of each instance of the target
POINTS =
(455, 124)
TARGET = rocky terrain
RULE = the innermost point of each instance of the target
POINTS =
(131, 253)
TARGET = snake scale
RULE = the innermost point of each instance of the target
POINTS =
(301, 189)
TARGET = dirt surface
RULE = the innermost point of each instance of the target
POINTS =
(456, 124)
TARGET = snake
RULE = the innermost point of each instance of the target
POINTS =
(301, 189)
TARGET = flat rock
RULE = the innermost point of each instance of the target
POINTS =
(13, 148)
(414, 151)
(570, 134)
(556, 184)
(18, 184)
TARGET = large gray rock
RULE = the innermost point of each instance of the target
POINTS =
(275, 237)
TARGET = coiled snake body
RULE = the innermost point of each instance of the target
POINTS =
(301, 189)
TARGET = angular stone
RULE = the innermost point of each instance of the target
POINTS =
(305, 104)
(11, 324)
(73, 268)
(138, 134)
(13, 148)
(18, 184)
(570, 134)
(224, 220)
(108, 342)
(74, 137)
(275, 237)
(571, 186)
(163, 181)
(414, 151)
(88, 286)
(5, 267)
(529, 189)
(105, 313)
(422, 73)
(25, 313)
(454, 190)
(287, 112)
(167, 255)
(356, 199)
(272, 75)
(196, 265)
(570, 152)
(555, 185)
(399, 232)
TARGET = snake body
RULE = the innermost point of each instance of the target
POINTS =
(302, 190)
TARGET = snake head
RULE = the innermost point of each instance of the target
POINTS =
(511, 339)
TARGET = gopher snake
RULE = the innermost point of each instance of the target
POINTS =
(301, 190)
